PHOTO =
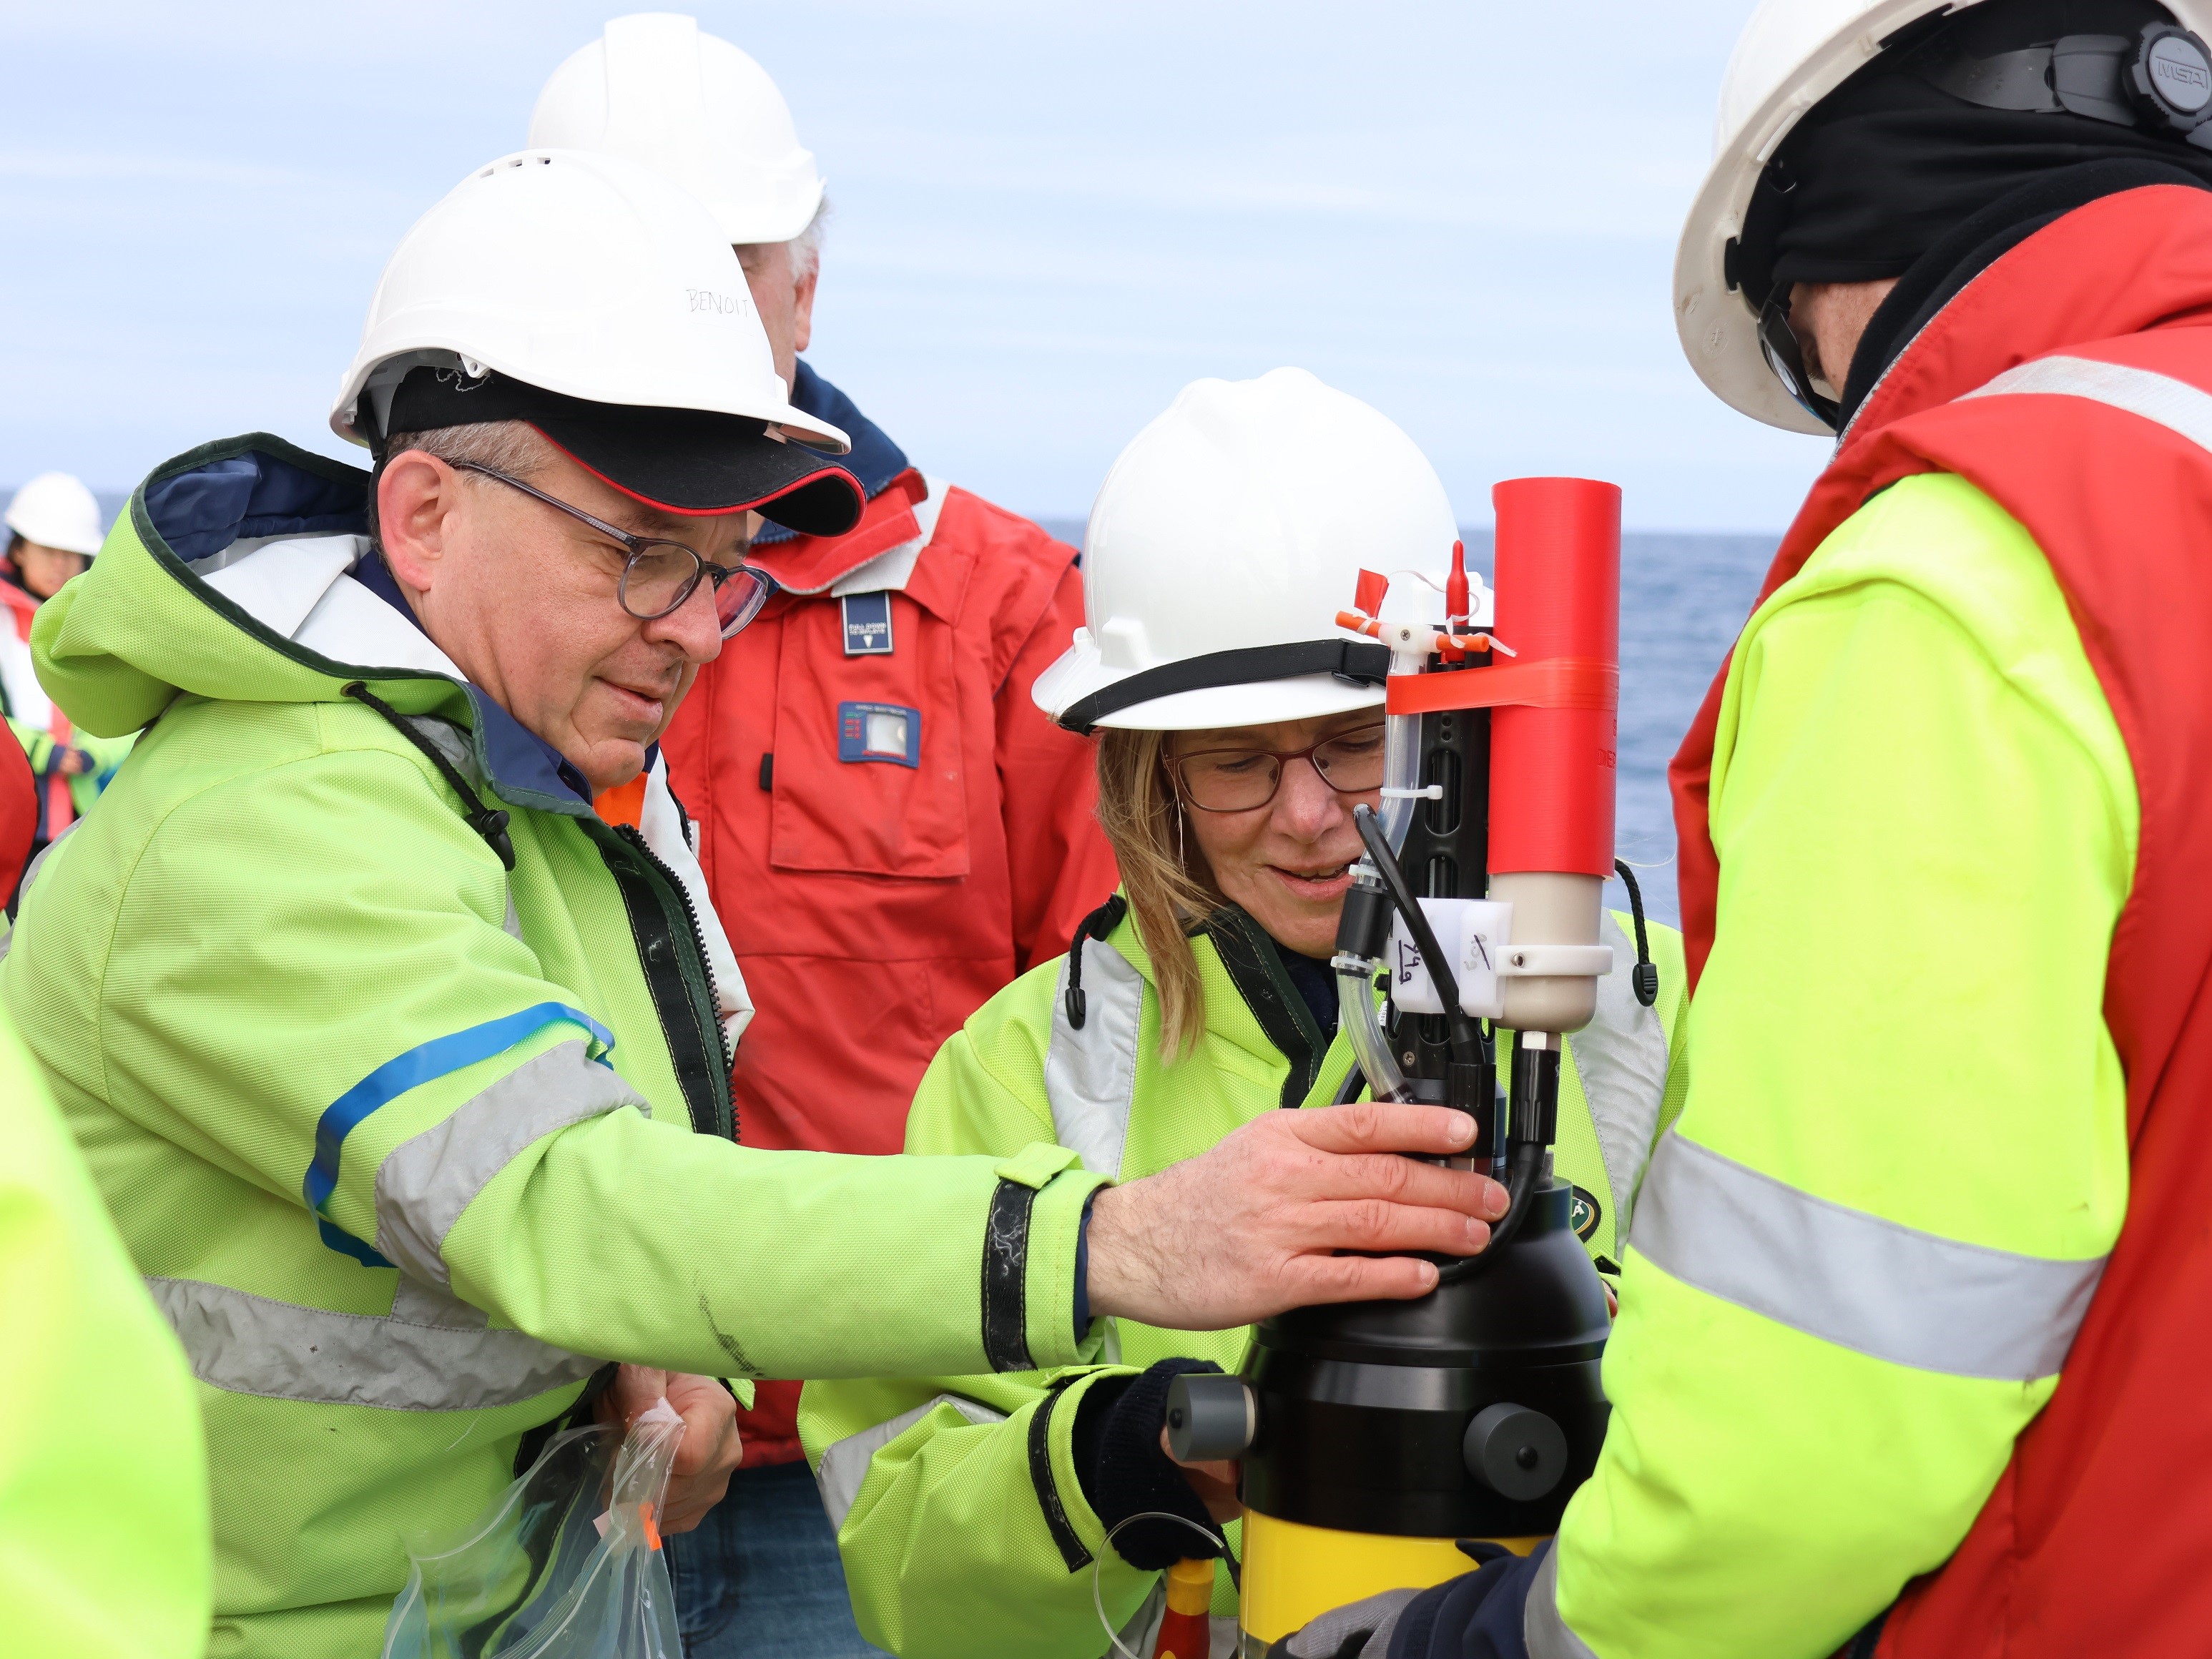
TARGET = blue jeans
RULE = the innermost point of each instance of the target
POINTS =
(760, 1575)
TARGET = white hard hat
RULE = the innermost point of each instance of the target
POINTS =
(693, 107)
(56, 510)
(587, 275)
(1223, 544)
(1792, 54)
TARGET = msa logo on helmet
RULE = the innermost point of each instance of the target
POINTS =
(2179, 69)
(715, 300)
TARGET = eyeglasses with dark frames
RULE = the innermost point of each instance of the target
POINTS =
(659, 575)
(1245, 780)
(1785, 356)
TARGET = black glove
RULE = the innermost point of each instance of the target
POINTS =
(1477, 1615)
(1124, 1471)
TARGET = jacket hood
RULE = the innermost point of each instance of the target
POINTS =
(231, 574)
(235, 573)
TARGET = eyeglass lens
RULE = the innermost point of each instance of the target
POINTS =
(1778, 342)
(662, 576)
(740, 596)
(1237, 781)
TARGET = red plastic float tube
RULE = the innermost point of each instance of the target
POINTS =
(1558, 578)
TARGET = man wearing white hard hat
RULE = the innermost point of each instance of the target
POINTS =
(872, 784)
(53, 531)
(1912, 1354)
(1213, 562)
(405, 1073)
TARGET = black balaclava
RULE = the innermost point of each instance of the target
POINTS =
(1890, 166)
(1888, 163)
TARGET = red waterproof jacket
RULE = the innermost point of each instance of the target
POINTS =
(889, 836)
(2094, 1539)
(56, 804)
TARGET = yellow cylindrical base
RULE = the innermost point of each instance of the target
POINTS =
(1293, 1573)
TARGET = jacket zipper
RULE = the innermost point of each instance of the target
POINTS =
(709, 1100)
(1275, 1003)
(716, 1044)
(637, 839)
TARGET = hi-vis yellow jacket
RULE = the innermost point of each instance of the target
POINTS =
(405, 1074)
(963, 1522)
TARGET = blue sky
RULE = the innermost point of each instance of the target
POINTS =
(1047, 218)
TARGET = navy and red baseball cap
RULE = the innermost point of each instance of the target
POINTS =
(691, 463)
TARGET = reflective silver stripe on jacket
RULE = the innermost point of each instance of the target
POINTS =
(1541, 1627)
(425, 1183)
(425, 1356)
(1620, 1060)
(1846, 1277)
(2174, 404)
(1091, 1075)
(845, 1465)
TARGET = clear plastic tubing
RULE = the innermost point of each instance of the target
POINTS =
(1356, 1012)
(1401, 770)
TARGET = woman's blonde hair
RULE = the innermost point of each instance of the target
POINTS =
(1170, 888)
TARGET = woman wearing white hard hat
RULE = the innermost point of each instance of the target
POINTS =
(1236, 731)
(53, 531)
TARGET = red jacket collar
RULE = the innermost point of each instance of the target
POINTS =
(2135, 260)
(810, 564)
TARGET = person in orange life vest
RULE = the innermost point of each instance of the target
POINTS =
(890, 829)
(53, 531)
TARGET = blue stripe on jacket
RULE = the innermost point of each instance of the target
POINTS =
(424, 1063)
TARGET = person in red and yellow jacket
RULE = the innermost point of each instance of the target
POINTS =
(890, 829)
(53, 531)
(1910, 1356)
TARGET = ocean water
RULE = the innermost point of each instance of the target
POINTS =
(1683, 597)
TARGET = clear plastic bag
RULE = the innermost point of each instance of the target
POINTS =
(567, 1565)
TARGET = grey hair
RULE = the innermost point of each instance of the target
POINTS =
(806, 246)
(513, 447)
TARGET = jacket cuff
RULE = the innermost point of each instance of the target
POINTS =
(1031, 1243)
(1076, 1530)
